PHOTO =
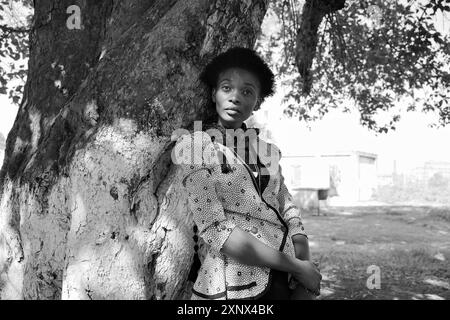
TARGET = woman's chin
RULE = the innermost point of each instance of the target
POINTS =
(230, 122)
(231, 118)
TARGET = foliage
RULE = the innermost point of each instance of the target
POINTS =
(362, 61)
(15, 23)
(438, 181)
(366, 58)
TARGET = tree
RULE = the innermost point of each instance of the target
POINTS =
(89, 200)
(365, 57)
(438, 182)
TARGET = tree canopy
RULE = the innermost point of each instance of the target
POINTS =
(15, 25)
(368, 55)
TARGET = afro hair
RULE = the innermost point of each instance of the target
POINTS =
(243, 58)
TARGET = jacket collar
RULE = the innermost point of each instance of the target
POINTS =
(222, 129)
(227, 134)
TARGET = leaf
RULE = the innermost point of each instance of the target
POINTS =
(16, 99)
(437, 38)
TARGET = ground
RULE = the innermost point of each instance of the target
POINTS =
(409, 244)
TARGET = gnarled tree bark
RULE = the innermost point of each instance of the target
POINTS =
(90, 204)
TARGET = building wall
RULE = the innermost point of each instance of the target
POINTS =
(303, 177)
(349, 176)
(305, 172)
(367, 178)
(346, 175)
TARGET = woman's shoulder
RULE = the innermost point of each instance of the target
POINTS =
(186, 139)
(194, 149)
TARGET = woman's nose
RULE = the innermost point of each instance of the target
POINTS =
(235, 98)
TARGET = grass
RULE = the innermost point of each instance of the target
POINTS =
(409, 245)
(441, 213)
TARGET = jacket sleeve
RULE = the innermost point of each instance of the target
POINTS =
(289, 211)
(198, 179)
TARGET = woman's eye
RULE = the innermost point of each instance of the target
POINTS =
(226, 88)
(247, 92)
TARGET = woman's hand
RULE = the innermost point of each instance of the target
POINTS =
(300, 293)
(308, 275)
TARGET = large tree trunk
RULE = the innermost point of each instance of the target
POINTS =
(90, 203)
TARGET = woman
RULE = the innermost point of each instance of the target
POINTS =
(257, 246)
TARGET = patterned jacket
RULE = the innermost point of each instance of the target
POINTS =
(221, 199)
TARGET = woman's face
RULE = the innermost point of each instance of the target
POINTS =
(236, 95)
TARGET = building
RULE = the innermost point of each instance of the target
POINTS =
(348, 176)
(311, 167)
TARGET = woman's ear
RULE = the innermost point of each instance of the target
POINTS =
(213, 95)
(257, 105)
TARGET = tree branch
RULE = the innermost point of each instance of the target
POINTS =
(307, 36)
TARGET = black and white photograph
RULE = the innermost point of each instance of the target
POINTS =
(246, 152)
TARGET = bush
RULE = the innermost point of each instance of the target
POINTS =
(438, 181)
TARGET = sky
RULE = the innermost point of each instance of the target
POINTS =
(411, 144)
(8, 113)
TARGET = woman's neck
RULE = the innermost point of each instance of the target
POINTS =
(234, 125)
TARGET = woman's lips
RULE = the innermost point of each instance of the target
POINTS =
(233, 111)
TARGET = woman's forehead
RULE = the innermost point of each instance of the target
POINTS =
(238, 74)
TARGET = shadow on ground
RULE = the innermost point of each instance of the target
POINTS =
(409, 244)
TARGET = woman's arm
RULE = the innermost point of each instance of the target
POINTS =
(246, 249)
(292, 216)
(301, 246)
